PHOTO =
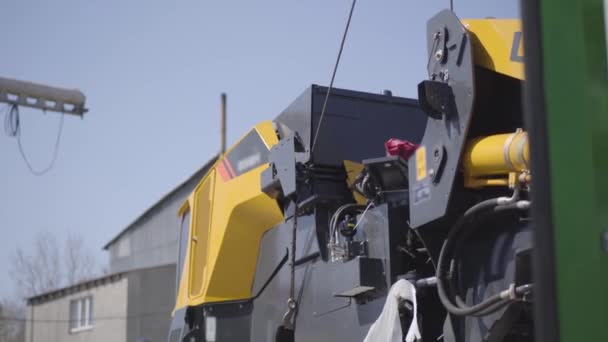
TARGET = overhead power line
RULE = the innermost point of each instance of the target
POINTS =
(333, 76)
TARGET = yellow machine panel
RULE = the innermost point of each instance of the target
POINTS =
(488, 161)
(353, 169)
(200, 230)
(498, 45)
(224, 241)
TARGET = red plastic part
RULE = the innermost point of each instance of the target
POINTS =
(402, 148)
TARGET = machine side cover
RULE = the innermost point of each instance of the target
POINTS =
(432, 169)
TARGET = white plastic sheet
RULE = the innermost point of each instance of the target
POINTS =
(387, 327)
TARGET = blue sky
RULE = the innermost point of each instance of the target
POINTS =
(153, 71)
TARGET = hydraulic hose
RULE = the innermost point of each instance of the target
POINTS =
(487, 311)
(515, 291)
(512, 206)
(489, 208)
(333, 222)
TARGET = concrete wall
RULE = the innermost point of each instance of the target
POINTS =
(150, 242)
(51, 318)
(150, 302)
(152, 239)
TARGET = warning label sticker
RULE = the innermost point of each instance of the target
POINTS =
(420, 163)
(422, 191)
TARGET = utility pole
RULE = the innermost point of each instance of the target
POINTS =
(223, 125)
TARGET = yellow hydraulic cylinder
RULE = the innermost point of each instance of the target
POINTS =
(488, 161)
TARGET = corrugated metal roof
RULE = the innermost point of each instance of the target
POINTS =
(198, 174)
(83, 285)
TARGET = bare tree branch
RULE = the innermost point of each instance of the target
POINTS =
(23, 274)
(47, 269)
(43, 269)
(47, 262)
(12, 326)
(79, 263)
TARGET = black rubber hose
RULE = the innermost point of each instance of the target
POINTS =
(519, 291)
(459, 244)
(481, 206)
(469, 310)
(462, 223)
(488, 311)
(494, 302)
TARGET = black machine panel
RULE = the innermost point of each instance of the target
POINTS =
(355, 125)
(326, 312)
(447, 98)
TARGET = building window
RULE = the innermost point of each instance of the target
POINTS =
(123, 246)
(81, 314)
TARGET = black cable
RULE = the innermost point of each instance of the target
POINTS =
(459, 245)
(487, 311)
(11, 120)
(333, 76)
(456, 237)
(12, 127)
(292, 262)
(519, 290)
(285, 332)
(426, 248)
(465, 222)
(488, 306)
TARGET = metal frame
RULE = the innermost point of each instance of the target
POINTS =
(566, 107)
(43, 97)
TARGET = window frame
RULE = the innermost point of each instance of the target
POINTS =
(250, 146)
(82, 319)
(185, 218)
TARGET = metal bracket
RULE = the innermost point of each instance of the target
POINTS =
(28, 94)
(447, 98)
(279, 180)
(288, 318)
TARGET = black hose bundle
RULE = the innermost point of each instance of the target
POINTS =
(463, 227)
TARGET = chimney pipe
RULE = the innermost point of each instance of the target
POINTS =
(223, 127)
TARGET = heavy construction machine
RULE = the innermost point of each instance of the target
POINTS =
(377, 218)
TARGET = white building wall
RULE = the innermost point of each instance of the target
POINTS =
(51, 318)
